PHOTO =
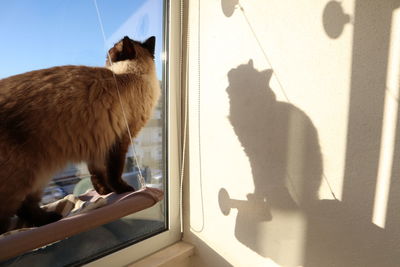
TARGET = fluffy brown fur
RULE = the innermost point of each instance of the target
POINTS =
(67, 114)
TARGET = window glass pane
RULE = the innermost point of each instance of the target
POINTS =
(46, 33)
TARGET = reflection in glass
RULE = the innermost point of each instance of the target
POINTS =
(53, 33)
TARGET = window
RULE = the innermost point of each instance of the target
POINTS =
(52, 33)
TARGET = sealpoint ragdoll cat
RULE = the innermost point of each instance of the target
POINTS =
(64, 114)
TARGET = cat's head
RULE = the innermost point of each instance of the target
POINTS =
(129, 55)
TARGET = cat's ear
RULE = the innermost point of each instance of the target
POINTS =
(251, 64)
(150, 44)
(128, 49)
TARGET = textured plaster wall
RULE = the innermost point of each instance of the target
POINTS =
(294, 148)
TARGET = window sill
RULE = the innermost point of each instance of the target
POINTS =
(176, 255)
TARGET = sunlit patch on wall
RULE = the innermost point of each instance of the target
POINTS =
(389, 126)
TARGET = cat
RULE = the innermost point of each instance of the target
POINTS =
(64, 114)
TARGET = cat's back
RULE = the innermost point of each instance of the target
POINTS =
(54, 100)
(40, 93)
(52, 79)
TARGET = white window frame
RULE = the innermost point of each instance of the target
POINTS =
(173, 233)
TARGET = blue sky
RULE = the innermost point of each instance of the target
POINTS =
(40, 34)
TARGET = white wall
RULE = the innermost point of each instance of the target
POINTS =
(293, 132)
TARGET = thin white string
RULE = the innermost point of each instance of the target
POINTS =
(141, 179)
(182, 170)
(199, 144)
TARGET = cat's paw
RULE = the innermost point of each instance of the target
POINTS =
(4, 225)
(49, 217)
(123, 188)
(103, 190)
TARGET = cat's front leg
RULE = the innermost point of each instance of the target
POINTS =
(4, 224)
(8, 208)
(98, 176)
(31, 212)
(115, 165)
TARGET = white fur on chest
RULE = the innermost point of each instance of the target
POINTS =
(150, 77)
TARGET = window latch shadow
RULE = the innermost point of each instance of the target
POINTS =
(255, 206)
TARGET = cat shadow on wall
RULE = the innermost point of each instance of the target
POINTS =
(283, 150)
